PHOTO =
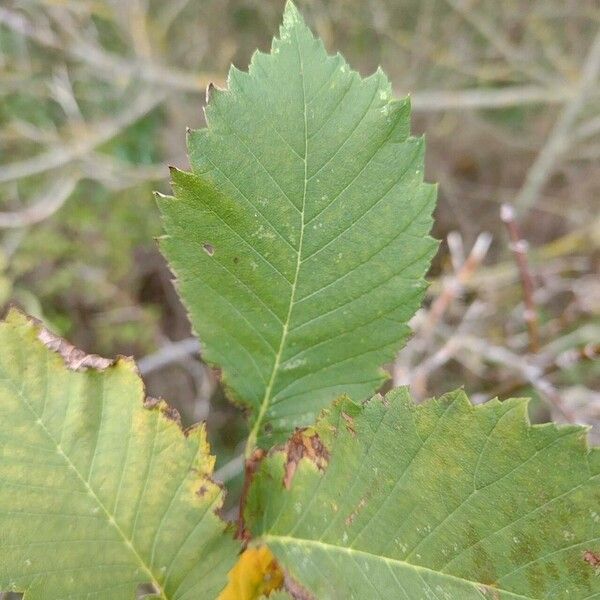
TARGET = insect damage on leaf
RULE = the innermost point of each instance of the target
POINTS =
(592, 558)
(305, 443)
(299, 239)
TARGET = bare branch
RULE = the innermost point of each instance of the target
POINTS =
(44, 206)
(530, 372)
(169, 354)
(513, 56)
(111, 65)
(519, 246)
(559, 138)
(98, 134)
(433, 100)
(454, 285)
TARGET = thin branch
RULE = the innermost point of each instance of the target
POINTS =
(493, 277)
(171, 353)
(493, 35)
(530, 372)
(519, 246)
(426, 322)
(98, 134)
(44, 206)
(454, 285)
(516, 95)
(566, 359)
(559, 138)
(111, 65)
(421, 372)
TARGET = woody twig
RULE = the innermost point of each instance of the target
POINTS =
(519, 246)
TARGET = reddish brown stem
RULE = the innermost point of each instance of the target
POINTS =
(519, 247)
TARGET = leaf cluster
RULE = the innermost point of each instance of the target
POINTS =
(299, 240)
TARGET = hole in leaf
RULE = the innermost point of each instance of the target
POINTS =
(144, 590)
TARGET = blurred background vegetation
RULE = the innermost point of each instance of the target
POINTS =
(95, 96)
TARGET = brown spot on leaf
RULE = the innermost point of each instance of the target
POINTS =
(209, 249)
(171, 413)
(236, 260)
(303, 445)
(151, 402)
(201, 491)
(167, 411)
(592, 558)
(349, 423)
(295, 589)
(489, 592)
(350, 518)
(75, 359)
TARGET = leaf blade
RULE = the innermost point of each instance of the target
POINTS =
(310, 190)
(437, 498)
(97, 490)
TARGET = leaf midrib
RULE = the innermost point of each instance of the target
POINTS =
(109, 517)
(287, 540)
(252, 437)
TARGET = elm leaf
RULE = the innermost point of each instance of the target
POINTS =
(300, 237)
(441, 500)
(99, 493)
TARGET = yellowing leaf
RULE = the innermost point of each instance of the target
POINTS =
(99, 491)
(256, 574)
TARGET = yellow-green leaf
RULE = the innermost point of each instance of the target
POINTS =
(99, 493)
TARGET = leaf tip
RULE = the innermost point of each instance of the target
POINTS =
(291, 14)
(15, 316)
(209, 90)
(160, 196)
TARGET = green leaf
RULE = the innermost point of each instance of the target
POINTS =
(299, 239)
(99, 493)
(441, 500)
